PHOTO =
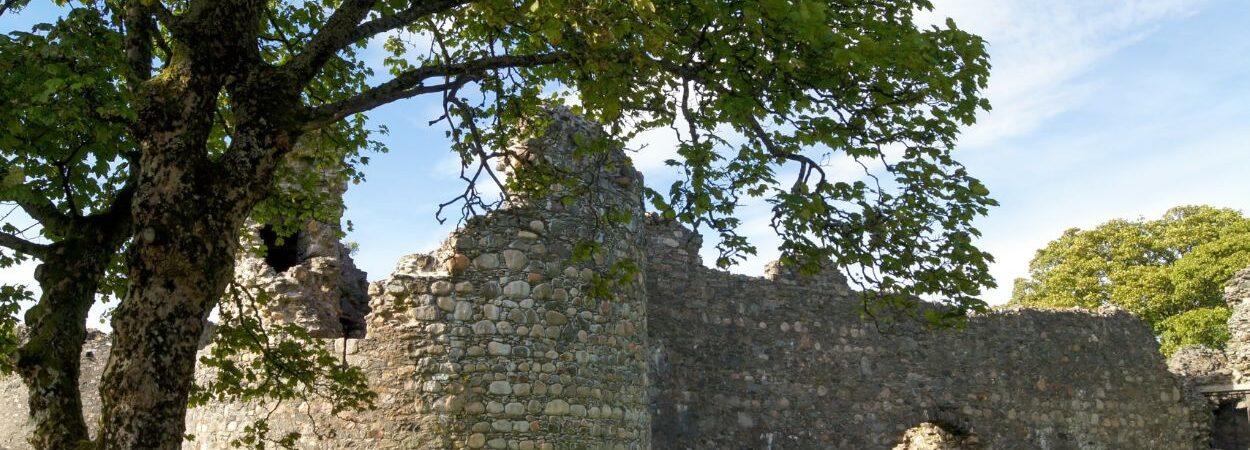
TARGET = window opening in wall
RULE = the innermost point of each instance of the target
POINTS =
(280, 255)
(1231, 429)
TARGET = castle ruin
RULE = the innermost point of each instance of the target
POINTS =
(501, 339)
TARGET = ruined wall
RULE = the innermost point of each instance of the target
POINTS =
(493, 341)
(1219, 378)
(1237, 295)
(1216, 372)
(13, 407)
(309, 279)
(1200, 365)
(787, 363)
(306, 277)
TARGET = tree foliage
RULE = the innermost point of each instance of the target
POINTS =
(62, 130)
(9, 338)
(1168, 271)
(176, 116)
(67, 161)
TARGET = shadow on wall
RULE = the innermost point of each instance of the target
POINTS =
(786, 362)
(493, 342)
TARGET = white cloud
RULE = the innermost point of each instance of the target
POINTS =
(1042, 50)
(653, 147)
(375, 52)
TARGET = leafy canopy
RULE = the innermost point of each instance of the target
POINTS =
(1168, 271)
(766, 98)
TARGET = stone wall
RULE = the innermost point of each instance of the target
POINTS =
(495, 341)
(13, 407)
(1221, 378)
(788, 363)
(1237, 295)
(319, 287)
(306, 277)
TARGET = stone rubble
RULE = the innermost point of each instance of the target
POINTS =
(930, 436)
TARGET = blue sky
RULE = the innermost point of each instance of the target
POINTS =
(1102, 109)
(1106, 109)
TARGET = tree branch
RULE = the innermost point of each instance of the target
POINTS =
(334, 36)
(405, 17)
(140, 29)
(116, 218)
(46, 213)
(165, 16)
(23, 246)
(334, 112)
(807, 166)
(7, 5)
(410, 83)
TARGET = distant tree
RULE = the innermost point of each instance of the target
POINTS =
(179, 113)
(1170, 271)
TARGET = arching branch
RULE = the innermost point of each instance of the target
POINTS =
(344, 27)
(23, 245)
(46, 213)
(411, 83)
(405, 17)
(328, 114)
(336, 34)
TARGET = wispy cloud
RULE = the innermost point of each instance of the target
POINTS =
(375, 52)
(1042, 50)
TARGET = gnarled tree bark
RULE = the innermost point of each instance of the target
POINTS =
(189, 206)
(49, 360)
(69, 277)
(188, 211)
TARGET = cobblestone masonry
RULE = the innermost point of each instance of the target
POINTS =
(787, 363)
(310, 279)
(322, 291)
(491, 341)
(1237, 295)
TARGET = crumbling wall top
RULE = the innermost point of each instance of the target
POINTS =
(1201, 365)
(1237, 289)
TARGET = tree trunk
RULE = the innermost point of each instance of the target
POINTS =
(49, 360)
(179, 265)
(187, 213)
(188, 210)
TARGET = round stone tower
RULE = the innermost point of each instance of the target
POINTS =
(511, 340)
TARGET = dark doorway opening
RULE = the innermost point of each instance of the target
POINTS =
(281, 252)
(1231, 430)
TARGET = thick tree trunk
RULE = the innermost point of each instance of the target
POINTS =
(178, 267)
(49, 360)
(187, 213)
(185, 223)
(188, 210)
